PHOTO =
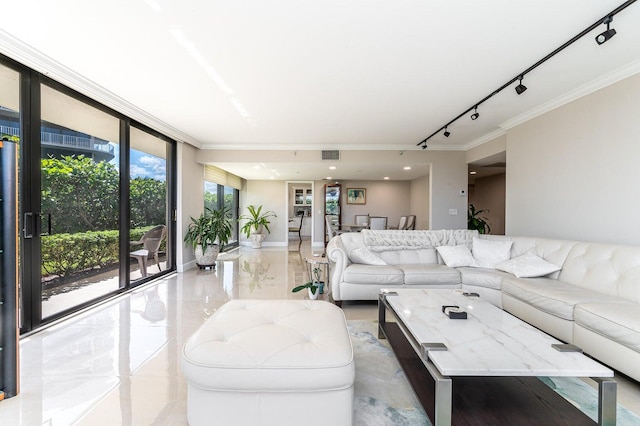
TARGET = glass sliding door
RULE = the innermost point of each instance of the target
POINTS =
(149, 206)
(218, 196)
(77, 222)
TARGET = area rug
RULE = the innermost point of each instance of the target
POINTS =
(383, 396)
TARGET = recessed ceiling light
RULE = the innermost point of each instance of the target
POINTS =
(332, 167)
(472, 172)
(386, 178)
(407, 167)
(329, 178)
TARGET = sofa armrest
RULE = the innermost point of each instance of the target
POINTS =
(337, 253)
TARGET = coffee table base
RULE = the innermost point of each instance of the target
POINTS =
(484, 400)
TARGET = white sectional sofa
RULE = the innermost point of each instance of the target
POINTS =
(592, 300)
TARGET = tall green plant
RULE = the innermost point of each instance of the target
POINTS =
(255, 219)
(477, 223)
(211, 227)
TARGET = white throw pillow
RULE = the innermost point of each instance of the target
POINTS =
(528, 265)
(488, 253)
(366, 257)
(454, 256)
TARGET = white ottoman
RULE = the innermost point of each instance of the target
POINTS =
(270, 362)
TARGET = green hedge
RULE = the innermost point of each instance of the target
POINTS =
(68, 254)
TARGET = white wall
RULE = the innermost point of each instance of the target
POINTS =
(448, 177)
(271, 195)
(190, 201)
(573, 173)
(419, 205)
(383, 198)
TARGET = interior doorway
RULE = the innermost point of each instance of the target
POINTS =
(487, 190)
(300, 196)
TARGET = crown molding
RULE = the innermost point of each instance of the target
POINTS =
(38, 61)
(584, 90)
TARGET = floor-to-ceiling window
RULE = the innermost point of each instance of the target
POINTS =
(79, 200)
(93, 185)
(222, 190)
(149, 212)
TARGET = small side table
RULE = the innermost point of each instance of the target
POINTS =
(318, 262)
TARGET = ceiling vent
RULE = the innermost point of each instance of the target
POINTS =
(331, 155)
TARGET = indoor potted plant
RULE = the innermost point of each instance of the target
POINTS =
(477, 223)
(208, 234)
(314, 286)
(256, 221)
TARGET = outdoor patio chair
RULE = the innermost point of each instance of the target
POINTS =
(150, 241)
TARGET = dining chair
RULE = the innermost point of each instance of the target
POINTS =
(297, 228)
(411, 222)
(332, 231)
(377, 222)
(403, 222)
(362, 220)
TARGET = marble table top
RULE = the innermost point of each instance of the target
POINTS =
(490, 342)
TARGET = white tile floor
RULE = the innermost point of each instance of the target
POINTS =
(118, 364)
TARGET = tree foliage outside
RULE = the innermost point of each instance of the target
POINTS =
(148, 202)
(83, 195)
(80, 194)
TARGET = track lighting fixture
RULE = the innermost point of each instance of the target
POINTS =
(601, 38)
(475, 115)
(606, 35)
(520, 88)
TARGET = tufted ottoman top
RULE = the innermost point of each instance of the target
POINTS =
(271, 345)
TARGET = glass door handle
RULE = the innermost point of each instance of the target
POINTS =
(33, 222)
(27, 225)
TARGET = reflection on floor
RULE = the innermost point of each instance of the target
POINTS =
(118, 364)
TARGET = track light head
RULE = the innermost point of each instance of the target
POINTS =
(424, 146)
(475, 115)
(604, 36)
(446, 132)
(520, 88)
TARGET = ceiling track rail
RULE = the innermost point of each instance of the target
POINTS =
(606, 19)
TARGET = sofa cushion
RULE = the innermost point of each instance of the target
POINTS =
(551, 296)
(454, 256)
(619, 322)
(528, 265)
(429, 274)
(406, 257)
(482, 277)
(488, 253)
(357, 273)
(365, 256)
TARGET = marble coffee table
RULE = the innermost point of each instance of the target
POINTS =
(490, 343)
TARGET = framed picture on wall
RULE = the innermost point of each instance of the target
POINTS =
(356, 196)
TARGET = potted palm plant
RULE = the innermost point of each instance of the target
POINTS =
(256, 221)
(208, 234)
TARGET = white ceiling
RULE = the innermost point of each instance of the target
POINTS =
(302, 75)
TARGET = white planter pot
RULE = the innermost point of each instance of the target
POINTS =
(313, 296)
(207, 258)
(256, 240)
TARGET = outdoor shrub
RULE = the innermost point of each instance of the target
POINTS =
(67, 254)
